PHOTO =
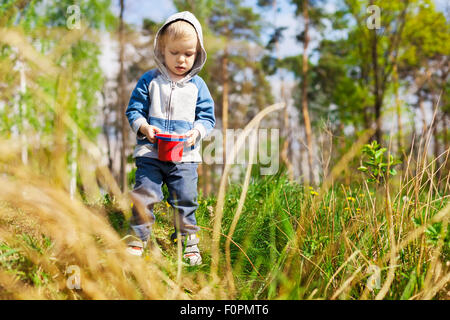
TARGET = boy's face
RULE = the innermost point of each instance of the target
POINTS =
(179, 55)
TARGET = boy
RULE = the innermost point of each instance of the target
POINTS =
(170, 99)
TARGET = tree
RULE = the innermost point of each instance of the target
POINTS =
(236, 24)
(63, 78)
(122, 101)
(134, 58)
(383, 43)
(312, 14)
(424, 61)
(271, 62)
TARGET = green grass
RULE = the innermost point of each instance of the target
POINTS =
(299, 242)
(344, 220)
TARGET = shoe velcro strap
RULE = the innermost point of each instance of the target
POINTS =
(138, 244)
(192, 240)
(191, 249)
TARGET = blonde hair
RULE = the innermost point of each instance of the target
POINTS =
(178, 30)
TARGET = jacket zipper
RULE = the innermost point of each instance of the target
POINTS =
(169, 109)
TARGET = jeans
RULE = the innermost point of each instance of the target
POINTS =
(181, 180)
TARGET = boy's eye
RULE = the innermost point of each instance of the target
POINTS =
(174, 53)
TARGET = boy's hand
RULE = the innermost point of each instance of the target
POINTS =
(149, 131)
(192, 136)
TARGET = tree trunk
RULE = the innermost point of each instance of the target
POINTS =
(414, 140)
(106, 112)
(225, 83)
(285, 152)
(204, 171)
(423, 113)
(284, 118)
(444, 131)
(74, 154)
(305, 111)
(441, 146)
(23, 113)
(342, 147)
(59, 152)
(445, 142)
(121, 104)
(206, 179)
(434, 129)
(399, 113)
(376, 89)
(300, 154)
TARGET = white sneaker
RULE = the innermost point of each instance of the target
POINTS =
(136, 246)
(192, 255)
(191, 251)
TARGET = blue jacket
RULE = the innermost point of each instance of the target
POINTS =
(173, 107)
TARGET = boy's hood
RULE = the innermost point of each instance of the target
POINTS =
(201, 58)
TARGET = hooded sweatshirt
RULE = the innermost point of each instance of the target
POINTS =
(173, 107)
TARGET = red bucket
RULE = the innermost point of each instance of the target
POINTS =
(170, 146)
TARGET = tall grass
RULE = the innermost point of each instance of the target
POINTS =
(291, 241)
(269, 238)
(305, 249)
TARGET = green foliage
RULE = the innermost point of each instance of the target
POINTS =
(427, 38)
(16, 262)
(115, 215)
(235, 21)
(269, 227)
(410, 287)
(434, 233)
(37, 101)
(376, 165)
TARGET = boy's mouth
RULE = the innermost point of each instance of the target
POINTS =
(180, 68)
